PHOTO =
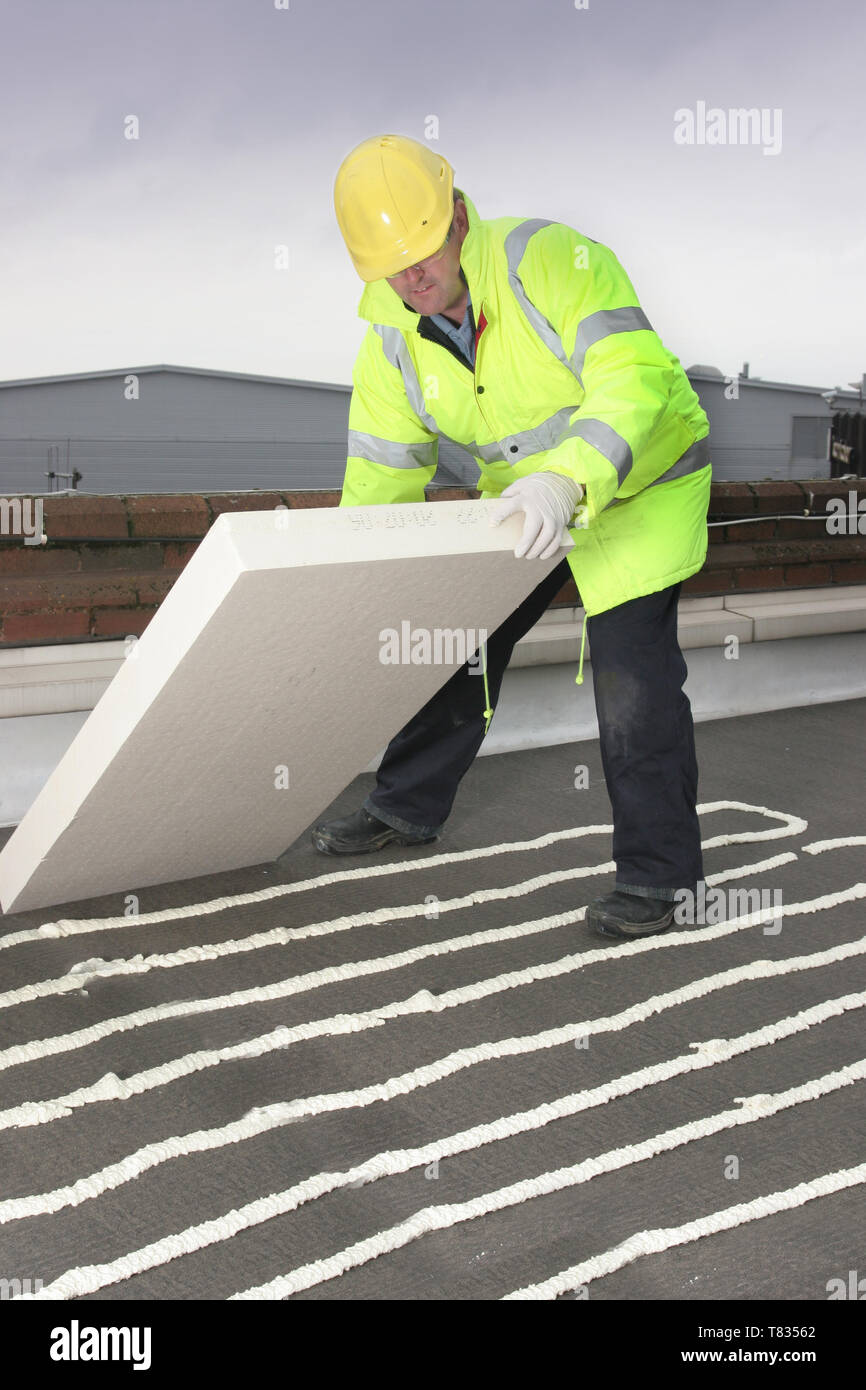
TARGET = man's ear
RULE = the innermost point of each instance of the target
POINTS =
(461, 216)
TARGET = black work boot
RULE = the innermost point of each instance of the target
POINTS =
(629, 915)
(360, 833)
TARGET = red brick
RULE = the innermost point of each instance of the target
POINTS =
(452, 494)
(326, 498)
(849, 571)
(135, 556)
(721, 555)
(154, 588)
(108, 595)
(750, 531)
(708, 582)
(74, 592)
(178, 554)
(808, 528)
(766, 577)
(802, 576)
(566, 596)
(822, 488)
(170, 516)
(806, 549)
(833, 548)
(121, 622)
(787, 496)
(84, 518)
(220, 502)
(38, 559)
(45, 627)
(731, 499)
(736, 554)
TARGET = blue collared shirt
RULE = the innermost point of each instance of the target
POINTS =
(463, 336)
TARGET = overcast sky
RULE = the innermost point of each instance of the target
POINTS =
(117, 253)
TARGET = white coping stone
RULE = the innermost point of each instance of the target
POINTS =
(773, 621)
(64, 677)
(31, 746)
(762, 598)
(540, 706)
(548, 643)
(265, 654)
(712, 628)
(692, 604)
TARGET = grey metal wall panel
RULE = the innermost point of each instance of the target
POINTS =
(174, 404)
(191, 431)
(133, 466)
(751, 436)
(186, 433)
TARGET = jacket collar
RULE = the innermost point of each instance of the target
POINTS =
(380, 304)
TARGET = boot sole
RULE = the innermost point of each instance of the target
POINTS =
(624, 932)
(335, 847)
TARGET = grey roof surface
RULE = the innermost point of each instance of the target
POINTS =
(808, 763)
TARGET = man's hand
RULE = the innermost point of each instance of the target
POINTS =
(548, 502)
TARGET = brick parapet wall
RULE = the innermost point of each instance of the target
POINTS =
(110, 561)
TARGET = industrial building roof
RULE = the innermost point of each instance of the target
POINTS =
(700, 372)
(187, 371)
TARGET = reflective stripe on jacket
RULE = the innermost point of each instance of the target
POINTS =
(569, 377)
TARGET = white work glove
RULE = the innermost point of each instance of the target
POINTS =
(548, 502)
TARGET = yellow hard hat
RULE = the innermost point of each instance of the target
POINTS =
(394, 204)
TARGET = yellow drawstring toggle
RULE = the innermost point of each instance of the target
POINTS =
(488, 712)
(578, 680)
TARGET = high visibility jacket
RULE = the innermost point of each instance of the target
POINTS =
(569, 377)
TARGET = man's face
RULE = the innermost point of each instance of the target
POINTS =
(434, 286)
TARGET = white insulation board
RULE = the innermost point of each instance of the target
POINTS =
(265, 654)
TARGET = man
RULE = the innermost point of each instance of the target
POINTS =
(524, 342)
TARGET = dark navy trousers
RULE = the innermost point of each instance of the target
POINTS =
(646, 733)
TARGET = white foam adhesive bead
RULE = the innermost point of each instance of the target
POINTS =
(665, 1238)
(65, 926)
(90, 1278)
(258, 692)
(278, 1114)
(279, 936)
(168, 1072)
